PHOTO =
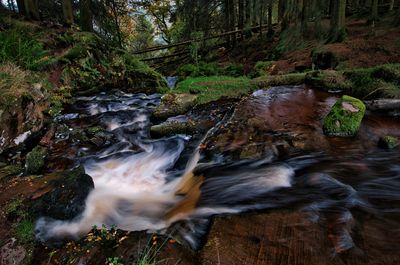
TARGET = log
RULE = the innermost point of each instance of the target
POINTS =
(383, 104)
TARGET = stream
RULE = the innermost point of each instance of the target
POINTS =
(165, 186)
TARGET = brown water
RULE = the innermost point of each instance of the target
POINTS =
(138, 185)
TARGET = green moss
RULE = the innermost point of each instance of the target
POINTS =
(13, 208)
(367, 83)
(24, 231)
(345, 117)
(35, 160)
(215, 87)
(261, 68)
(9, 170)
(388, 142)
(328, 80)
(279, 80)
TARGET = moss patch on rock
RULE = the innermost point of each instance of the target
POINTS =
(367, 83)
(279, 80)
(35, 160)
(345, 117)
(388, 142)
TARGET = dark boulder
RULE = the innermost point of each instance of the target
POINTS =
(66, 199)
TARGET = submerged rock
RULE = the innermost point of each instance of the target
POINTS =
(174, 104)
(345, 117)
(35, 160)
(388, 142)
(67, 198)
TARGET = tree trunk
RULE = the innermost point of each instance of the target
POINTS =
(397, 18)
(270, 30)
(241, 17)
(318, 17)
(338, 21)
(31, 9)
(391, 5)
(21, 7)
(68, 12)
(374, 12)
(86, 15)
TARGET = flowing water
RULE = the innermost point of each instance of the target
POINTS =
(139, 185)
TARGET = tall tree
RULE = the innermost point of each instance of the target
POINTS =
(68, 12)
(31, 9)
(21, 7)
(86, 19)
(338, 21)
(374, 11)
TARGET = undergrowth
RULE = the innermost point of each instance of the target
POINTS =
(21, 47)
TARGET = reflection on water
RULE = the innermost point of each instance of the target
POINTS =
(138, 186)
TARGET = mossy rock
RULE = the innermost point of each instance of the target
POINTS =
(345, 117)
(35, 160)
(328, 80)
(174, 105)
(388, 142)
(172, 128)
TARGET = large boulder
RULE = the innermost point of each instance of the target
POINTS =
(345, 117)
(174, 105)
(66, 199)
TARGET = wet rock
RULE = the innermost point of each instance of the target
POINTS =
(270, 124)
(345, 117)
(67, 198)
(388, 142)
(175, 125)
(35, 160)
(323, 60)
(21, 119)
(174, 104)
(12, 254)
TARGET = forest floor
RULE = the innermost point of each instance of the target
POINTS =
(365, 46)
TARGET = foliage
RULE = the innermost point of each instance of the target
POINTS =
(195, 46)
(215, 87)
(209, 69)
(114, 261)
(14, 208)
(261, 68)
(24, 231)
(19, 46)
(13, 83)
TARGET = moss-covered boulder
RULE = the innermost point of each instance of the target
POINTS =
(345, 117)
(388, 142)
(174, 105)
(178, 125)
(35, 160)
(328, 80)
